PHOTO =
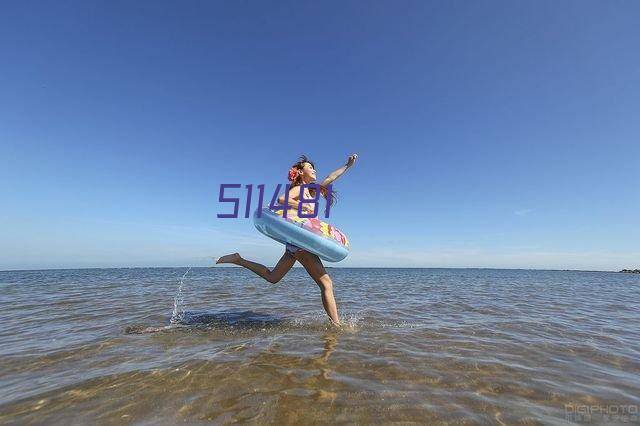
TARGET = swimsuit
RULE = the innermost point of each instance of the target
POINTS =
(291, 248)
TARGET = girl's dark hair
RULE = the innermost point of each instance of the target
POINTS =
(324, 191)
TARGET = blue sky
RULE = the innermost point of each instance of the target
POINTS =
(490, 134)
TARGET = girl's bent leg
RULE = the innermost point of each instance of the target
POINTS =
(284, 265)
(314, 267)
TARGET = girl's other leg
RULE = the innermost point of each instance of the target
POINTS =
(314, 267)
(285, 263)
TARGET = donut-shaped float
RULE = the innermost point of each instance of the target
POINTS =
(310, 234)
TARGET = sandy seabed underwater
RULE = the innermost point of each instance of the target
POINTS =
(462, 346)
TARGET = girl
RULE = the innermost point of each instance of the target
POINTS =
(302, 172)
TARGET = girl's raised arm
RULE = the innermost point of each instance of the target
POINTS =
(338, 172)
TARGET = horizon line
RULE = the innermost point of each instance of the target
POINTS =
(333, 267)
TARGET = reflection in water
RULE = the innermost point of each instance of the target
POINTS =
(330, 343)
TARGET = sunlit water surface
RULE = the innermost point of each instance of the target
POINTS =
(166, 345)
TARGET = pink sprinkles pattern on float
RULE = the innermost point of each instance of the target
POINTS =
(317, 227)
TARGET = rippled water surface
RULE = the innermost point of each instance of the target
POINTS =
(420, 345)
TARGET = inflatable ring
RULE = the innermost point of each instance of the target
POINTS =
(310, 234)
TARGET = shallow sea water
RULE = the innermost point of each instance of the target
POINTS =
(459, 346)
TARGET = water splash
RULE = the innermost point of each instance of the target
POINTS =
(178, 302)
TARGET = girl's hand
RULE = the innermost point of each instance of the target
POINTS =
(352, 159)
(307, 209)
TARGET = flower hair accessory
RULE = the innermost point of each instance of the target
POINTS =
(293, 173)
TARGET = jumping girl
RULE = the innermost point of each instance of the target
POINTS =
(302, 172)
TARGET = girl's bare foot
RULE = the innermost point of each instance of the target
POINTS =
(230, 258)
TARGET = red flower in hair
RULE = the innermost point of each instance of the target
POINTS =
(293, 173)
